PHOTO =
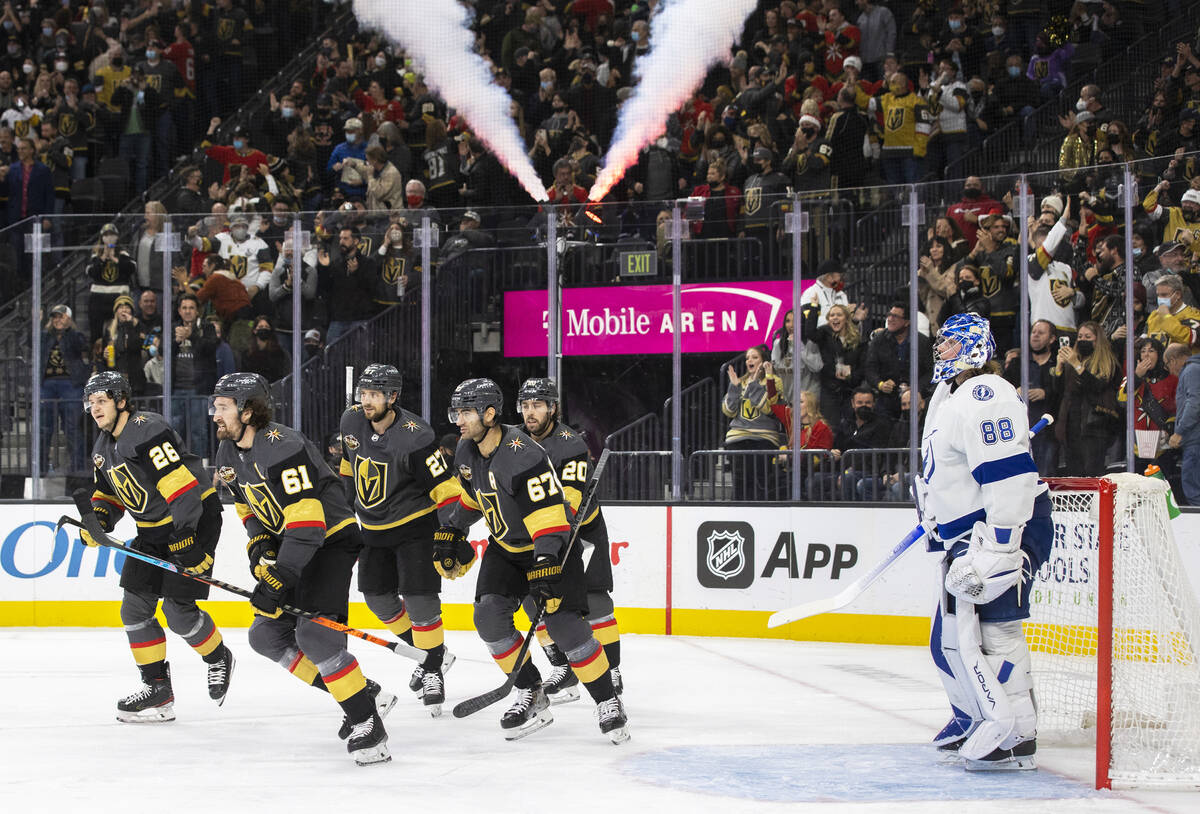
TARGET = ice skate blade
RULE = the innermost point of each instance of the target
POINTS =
(384, 703)
(564, 696)
(434, 710)
(619, 735)
(153, 715)
(372, 755)
(543, 720)
(228, 681)
(1011, 764)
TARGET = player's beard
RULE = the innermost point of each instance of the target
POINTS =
(226, 434)
(109, 425)
(537, 429)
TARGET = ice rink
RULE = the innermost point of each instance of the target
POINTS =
(727, 725)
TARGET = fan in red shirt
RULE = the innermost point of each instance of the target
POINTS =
(377, 108)
(975, 204)
(565, 190)
(183, 56)
(841, 41)
(239, 152)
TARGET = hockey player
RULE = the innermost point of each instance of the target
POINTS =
(537, 402)
(303, 546)
(508, 478)
(982, 504)
(142, 467)
(401, 489)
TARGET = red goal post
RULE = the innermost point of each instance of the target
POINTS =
(1114, 634)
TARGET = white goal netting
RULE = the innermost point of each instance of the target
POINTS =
(1155, 687)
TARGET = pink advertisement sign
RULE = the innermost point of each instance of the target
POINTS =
(636, 319)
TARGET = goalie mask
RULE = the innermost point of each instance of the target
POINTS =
(975, 346)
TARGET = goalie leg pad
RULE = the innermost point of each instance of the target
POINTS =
(999, 724)
(943, 644)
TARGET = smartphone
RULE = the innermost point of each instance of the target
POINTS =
(1064, 341)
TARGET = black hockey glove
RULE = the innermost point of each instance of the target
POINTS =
(188, 553)
(259, 548)
(104, 516)
(272, 582)
(545, 578)
(453, 556)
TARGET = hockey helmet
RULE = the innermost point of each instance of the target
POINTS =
(376, 376)
(243, 388)
(107, 381)
(475, 394)
(976, 345)
(543, 389)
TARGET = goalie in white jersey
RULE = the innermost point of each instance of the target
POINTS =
(982, 503)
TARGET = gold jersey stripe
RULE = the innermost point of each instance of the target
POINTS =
(174, 482)
(243, 511)
(550, 518)
(304, 512)
(332, 530)
(444, 491)
(153, 524)
(400, 522)
(469, 501)
(345, 469)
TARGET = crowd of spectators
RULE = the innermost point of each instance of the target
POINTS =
(814, 95)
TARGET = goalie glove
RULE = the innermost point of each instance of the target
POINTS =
(453, 556)
(992, 563)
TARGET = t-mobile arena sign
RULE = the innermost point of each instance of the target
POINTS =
(636, 319)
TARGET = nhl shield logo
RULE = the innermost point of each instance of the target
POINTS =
(725, 554)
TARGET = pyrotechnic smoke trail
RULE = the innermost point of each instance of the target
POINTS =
(436, 34)
(687, 36)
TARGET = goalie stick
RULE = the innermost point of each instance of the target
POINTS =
(860, 585)
(89, 523)
(473, 705)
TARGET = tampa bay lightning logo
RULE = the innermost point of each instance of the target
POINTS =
(982, 392)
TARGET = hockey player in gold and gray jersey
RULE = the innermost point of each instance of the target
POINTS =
(142, 467)
(537, 402)
(303, 544)
(507, 478)
(402, 490)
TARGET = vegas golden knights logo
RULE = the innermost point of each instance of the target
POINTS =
(989, 283)
(225, 28)
(370, 481)
(154, 80)
(895, 119)
(128, 489)
(67, 125)
(264, 505)
(753, 200)
(109, 272)
(393, 269)
(489, 504)
(238, 265)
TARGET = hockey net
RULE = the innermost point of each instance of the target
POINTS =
(1114, 634)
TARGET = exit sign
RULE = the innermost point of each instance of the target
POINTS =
(637, 264)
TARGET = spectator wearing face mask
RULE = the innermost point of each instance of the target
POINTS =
(975, 204)
(112, 271)
(264, 355)
(1017, 95)
(350, 180)
(312, 344)
(1179, 223)
(828, 290)
(238, 151)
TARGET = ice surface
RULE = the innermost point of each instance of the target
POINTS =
(726, 725)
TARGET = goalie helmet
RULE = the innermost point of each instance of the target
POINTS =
(538, 389)
(243, 388)
(107, 381)
(475, 394)
(976, 345)
(376, 376)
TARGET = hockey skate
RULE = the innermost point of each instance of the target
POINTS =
(384, 701)
(368, 741)
(612, 720)
(562, 686)
(433, 692)
(529, 713)
(415, 681)
(219, 673)
(1020, 758)
(153, 703)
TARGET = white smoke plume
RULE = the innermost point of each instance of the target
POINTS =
(686, 37)
(436, 34)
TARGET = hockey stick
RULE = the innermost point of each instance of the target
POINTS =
(473, 705)
(856, 588)
(91, 525)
